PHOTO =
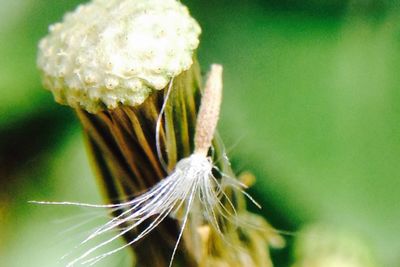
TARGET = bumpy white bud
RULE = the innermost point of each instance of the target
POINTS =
(109, 53)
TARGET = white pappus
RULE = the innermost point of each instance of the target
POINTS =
(192, 181)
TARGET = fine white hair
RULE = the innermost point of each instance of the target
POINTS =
(190, 189)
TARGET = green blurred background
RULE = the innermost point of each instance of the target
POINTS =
(311, 107)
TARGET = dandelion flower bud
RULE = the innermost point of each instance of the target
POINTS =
(109, 53)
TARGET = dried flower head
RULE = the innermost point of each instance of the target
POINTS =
(129, 69)
(111, 52)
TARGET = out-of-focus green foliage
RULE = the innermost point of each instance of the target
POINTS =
(22, 24)
(317, 100)
(311, 97)
(321, 246)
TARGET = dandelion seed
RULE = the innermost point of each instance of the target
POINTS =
(191, 181)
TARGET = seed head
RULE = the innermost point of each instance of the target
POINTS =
(109, 53)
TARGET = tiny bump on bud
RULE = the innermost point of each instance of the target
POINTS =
(55, 27)
(42, 44)
(110, 100)
(132, 70)
(111, 83)
(79, 60)
(158, 82)
(94, 94)
(61, 71)
(90, 78)
(133, 84)
(109, 66)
